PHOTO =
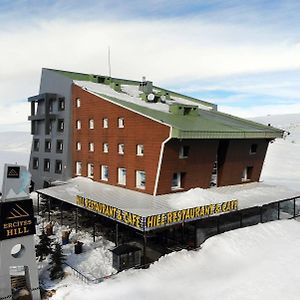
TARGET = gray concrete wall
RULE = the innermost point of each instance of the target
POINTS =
(53, 82)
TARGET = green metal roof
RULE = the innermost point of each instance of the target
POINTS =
(209, 124)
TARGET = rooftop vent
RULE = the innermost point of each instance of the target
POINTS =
(183, 110)
(146, 86)
(115, 86)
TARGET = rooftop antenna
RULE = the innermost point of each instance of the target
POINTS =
(109, 65)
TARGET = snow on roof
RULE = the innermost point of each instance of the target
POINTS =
(248, 195)
(131, 94)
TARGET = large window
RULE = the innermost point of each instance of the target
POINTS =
(139, 150)
(121, 122)
(59, 146)
(184, 151)
(91, 147)
(58, 166)
(122, 176)
(177, 180)
(105, 122)
(91, 123)
(141, 179)
(121, 149)
(78, 168)
(104, 173)
(47, 145)
(90, 169)
(46, 165)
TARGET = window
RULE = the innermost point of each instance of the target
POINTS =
(35, 163)
(47, 145)
(60, 125)
(78, 146)
(140, 150)
(90, 169)
(36, 145)
(141, 179)
(253, 149)
(121, 122)
(104, 173)
(50, 105)
(121, 149)
(184, 151)
(78, 168)
(105, 123)
(59, 146)
(58, 166)
(91, 147)
(105, 147)
(61, 104)
(78, 124)
(91, 124)
(247, 174)
(122, 176)
(46, 165)
(77, 100)
(177, 180)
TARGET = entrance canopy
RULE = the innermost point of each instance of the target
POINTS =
(145, 212)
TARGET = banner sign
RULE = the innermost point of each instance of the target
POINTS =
(155, 221)
(16, 219)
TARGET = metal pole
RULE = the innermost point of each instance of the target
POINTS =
(144, 248)
(117, 234)
(76, 220)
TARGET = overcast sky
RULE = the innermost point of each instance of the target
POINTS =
(242, 55)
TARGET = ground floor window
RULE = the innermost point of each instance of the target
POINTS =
(78, 168)
(141, 179)
(104, 173)
(177, 180)
(122, 176)
(47, 165)
(247, 174)
(90, 170)
(58, 166)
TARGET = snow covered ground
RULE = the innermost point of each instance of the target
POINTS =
(258, 262)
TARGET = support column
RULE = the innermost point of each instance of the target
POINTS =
(117, 234)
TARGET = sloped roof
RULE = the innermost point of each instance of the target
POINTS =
(208, 124)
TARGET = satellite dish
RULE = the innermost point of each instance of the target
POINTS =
(151, 97)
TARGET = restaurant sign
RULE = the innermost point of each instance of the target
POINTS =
(145, 223)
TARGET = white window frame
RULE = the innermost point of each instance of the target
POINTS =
(121, 122)
(139, 179)
(91, 147)
(121, 149)
(179, 183)
(78, 146)
(78, 168)
(105, 123)
(78, 102)
(140, 150)
(122, 176)
(90, 170)
(78, 124)
(105, 147)
(104, 173)
(181, 152)
(91, 124)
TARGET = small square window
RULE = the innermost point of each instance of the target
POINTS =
(141, 179)
(78, 146)
(91, 124)
(91, 147)
(35, 163)
(36, 145)
(78, 168)
(77, 101)
(104, 173)
(121, 123)
(47, 145)
(105, 122)
(60, 125)
(184, 152)
(61, 104)
(58, 166)
(78, 124)
(105, 147)
(90, 168)
(122, 176)
(140, 150)
(59, 146)
(46, 165)
(253, 149)
(121, 149)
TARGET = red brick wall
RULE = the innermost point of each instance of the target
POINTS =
(197, 166)
(137, 130)
(237, 157)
